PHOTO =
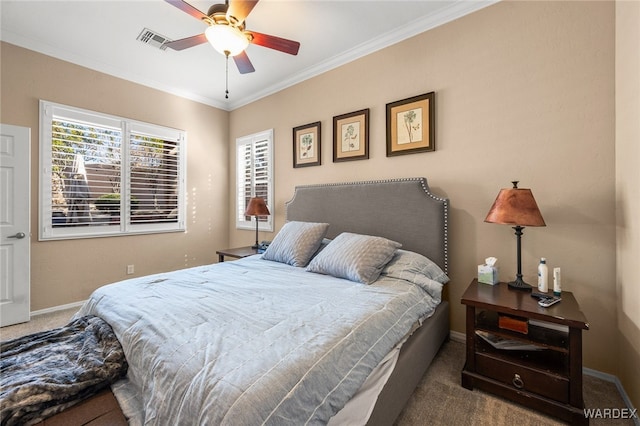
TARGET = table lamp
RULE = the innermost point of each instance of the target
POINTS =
(257, 207)
(516, 206)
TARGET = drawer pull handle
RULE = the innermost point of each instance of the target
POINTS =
(517, 381)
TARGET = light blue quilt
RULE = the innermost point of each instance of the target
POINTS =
(252, 342)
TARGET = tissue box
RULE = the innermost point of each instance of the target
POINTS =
(487, 274)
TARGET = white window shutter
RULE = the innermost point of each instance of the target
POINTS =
(104, 175)
(254, 177)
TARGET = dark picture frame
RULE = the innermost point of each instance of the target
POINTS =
(307, 145)
(411, 125)
(351, 136)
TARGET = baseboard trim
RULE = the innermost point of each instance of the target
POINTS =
(57, 308)
(462, 338)
(456, 336)
(612, 379)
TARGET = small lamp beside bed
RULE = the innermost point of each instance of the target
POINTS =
(516, 206)
(257, 207)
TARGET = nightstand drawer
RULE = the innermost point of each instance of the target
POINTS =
(523, 378)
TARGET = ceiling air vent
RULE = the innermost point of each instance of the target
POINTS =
(152, 38)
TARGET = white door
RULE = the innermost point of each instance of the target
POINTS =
(15, 147)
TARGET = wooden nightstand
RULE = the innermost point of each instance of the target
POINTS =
(236, 253)
(548, 379)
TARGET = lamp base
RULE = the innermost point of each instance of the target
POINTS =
(256, 246)
(519, 284)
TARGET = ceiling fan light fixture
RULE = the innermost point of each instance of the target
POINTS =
(226, 38)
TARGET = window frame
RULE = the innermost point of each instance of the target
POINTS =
(47, 232)
(264, 223)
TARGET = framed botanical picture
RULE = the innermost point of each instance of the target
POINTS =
(410, 125)
(306, 145)
(351, 136)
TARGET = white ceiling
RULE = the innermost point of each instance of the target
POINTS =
(101, 35)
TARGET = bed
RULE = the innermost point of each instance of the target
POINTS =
(335, 323)
(374, 208)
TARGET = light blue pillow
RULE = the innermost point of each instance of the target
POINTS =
(355, 257)
(406, 264)
(296, 243)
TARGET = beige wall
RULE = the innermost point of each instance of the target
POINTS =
(628, 192)
(68, 271)
(524, 90)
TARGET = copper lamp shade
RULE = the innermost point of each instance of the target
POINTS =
(257, 207)
(516, 206)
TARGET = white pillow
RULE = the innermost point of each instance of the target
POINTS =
(296, 243)
(355, 257)
(406, 264)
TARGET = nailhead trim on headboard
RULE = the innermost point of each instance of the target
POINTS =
(425, 188)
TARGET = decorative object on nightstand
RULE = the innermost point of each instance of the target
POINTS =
(257, 207)
(516, 206)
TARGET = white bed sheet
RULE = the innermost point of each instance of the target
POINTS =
(358, 409)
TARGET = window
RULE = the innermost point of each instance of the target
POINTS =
(103, 175)
(254, 168)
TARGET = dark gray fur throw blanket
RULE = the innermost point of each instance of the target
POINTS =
(44, 373)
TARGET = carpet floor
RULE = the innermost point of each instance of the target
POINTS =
(440, 399)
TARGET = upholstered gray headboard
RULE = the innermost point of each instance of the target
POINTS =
(403, 210)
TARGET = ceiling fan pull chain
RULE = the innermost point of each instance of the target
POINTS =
(226, 91)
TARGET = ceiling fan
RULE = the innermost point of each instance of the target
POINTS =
(227, 33)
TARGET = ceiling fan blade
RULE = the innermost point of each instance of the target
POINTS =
(243, 63)
(185, 43)
(272, 42)
(240, 9)
(187, 8)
